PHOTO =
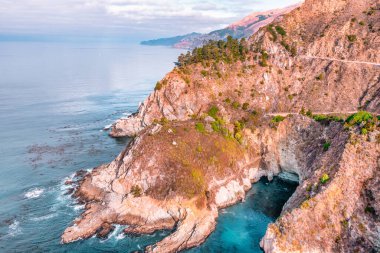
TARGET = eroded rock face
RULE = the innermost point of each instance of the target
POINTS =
(325, 217)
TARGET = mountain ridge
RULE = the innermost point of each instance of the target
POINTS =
(239, 29)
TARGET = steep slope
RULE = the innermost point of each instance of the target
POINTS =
(212, 127)
(240, 29)
(295, 75)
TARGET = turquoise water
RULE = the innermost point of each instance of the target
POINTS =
(241, 227)
(55, 100)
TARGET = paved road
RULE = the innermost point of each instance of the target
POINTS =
(340, 60)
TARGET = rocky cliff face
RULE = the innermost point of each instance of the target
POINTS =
(322, 54)
(212, 128)
(326, 216)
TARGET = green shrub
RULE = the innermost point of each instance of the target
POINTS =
(164, 121)
(293, 51)
(264, 59)
(285, 45)
(277, 119)
(272, 32)
(236, 105)
(365, 120)
(204, 73)
(239, 137)
(305, 204)
(213, 111)
(325, 119)
(326, 145)
(227, 100)
(263, 63)
(238, 126)
(371, 11)
(351, 38)
(200, 127)
(319, 77)
(370, 209)
(359, 118)
(245, 106)
(216, 127)
(158, 86)
(325, 177)
(344, 223)
(136, 191)
(320, 117)
(361, 23)
(280, 30)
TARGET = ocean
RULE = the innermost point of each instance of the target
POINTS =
(56, 99)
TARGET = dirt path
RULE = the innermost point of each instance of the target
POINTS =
(284, 114)
(340, 60)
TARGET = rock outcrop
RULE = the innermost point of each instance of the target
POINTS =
(210, 130)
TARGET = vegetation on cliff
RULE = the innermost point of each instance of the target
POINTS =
(228, 51)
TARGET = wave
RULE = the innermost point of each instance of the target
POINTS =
(107, 127)
(125, 115)
(14, 228)
(64, 199)
(117, 234)
(78, 207)
(45, 217)
(34, 193)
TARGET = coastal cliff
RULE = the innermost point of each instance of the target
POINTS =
(291, 99)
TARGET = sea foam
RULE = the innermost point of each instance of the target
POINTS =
(34, 193)
(14, 228)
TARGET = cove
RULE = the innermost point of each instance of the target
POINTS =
(241, 226)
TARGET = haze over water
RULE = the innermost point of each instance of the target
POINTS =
(55, 100)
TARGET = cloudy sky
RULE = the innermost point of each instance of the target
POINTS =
(123, 19)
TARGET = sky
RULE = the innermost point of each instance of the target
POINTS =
(122, 19)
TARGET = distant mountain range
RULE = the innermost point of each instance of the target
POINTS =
(240, 29)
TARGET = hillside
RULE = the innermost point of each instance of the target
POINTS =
(240, 29)
(170, 41)
(300, 96)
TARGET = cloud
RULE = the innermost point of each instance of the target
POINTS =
(141, 18)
